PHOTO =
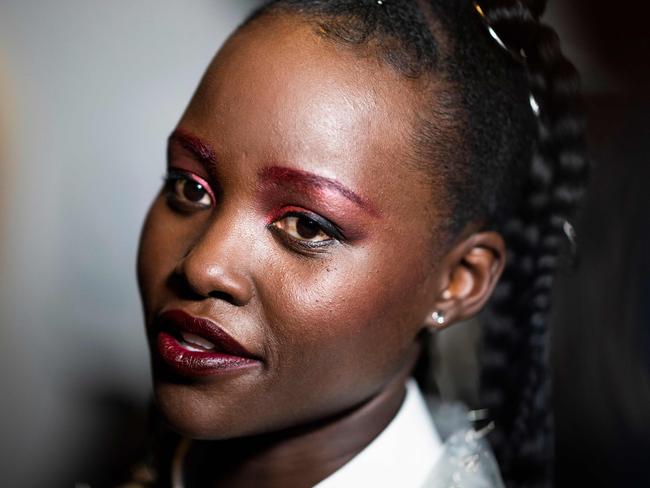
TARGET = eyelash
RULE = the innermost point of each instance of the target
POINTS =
(303, 245)
(186, 206)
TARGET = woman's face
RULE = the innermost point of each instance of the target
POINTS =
(294, 222)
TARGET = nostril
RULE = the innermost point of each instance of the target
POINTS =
(182, 288)
(222, 295)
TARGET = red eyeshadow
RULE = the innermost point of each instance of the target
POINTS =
(276, 175)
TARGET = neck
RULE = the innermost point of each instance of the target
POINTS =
(301, 456)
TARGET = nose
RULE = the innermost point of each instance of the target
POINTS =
(215, 265)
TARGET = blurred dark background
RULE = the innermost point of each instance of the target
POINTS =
(88, 93)
(602, 315)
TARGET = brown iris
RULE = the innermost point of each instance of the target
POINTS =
(307, 228)
(302, 228)
(193, 190)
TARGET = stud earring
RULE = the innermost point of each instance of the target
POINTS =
(439, 318)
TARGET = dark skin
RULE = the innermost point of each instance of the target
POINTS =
(334, 318)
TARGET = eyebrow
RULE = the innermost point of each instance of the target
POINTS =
(201, 150)
(278, 175)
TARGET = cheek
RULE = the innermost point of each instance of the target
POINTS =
(355, 291)
(162, 245)
(347, 320)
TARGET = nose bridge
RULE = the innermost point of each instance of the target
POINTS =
(216, 264)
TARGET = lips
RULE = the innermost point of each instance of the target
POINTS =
(192, 346)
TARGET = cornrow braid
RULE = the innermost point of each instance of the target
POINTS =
(521, 171)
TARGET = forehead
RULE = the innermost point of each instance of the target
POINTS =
(279, 93)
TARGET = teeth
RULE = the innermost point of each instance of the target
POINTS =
(194, 340)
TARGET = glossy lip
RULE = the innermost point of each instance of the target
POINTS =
(227, 355)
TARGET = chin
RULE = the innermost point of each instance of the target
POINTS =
(199, 412)
(193, 414)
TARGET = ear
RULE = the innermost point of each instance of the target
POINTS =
(469, 273)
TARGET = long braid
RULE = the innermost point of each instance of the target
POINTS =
(556, 183)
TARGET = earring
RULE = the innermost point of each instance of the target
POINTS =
(439, 318)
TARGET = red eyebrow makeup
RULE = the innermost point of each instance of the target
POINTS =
(305, 181)
(200, 149)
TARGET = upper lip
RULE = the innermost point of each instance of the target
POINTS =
(180, 321)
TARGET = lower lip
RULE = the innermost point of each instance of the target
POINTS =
(195, 363)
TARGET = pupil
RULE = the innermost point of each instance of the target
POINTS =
(307, 229)
(193, 191)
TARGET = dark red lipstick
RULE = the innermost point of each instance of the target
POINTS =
(193, 346)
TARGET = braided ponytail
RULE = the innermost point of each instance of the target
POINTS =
(516, 329)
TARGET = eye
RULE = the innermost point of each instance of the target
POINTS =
(188, 191)
(303, 229)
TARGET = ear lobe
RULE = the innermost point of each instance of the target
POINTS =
(475, 266)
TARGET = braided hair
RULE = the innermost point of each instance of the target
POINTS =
(518, 169)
